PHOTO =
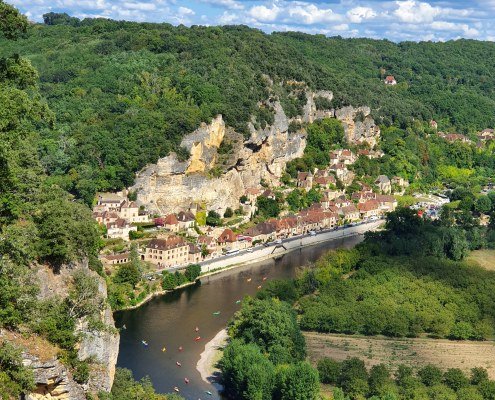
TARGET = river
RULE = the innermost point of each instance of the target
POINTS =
(170, 320)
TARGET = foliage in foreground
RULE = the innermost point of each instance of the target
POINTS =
(265, 359)
(353, 381)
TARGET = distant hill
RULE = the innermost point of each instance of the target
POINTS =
(125, 93)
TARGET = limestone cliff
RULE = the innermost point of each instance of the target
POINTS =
(170, 185)
(218, 180)
(53, 379)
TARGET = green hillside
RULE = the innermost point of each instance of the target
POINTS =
(125, 93)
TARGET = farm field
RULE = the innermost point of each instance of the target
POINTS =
(413, 352)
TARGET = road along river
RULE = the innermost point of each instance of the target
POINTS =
(169, 322)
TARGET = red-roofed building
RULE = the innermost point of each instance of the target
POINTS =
(370, 208)
(168, 252)
(390, 80)
(171, 223)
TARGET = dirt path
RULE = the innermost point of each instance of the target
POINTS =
(414, 352)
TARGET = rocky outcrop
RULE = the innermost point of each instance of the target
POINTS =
(358, 124)
(102, 346)
(170, 186)
(218, 180)
(53, 380)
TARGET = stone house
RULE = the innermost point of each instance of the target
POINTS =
(227, 239)
(326, 182)
(186, 220)
(110, 201)
(305, 180)
(194, 256)
(370, 208)
(171, 223)
(210, 244)
(350, 213)
(113, 259)
(168, 252)
(119, 228)
(387, 203)
(252, 195)
(384, 184)
(390, 80)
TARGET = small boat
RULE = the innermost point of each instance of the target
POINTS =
(176, 389)
(178, 364)
(181, 348)
(248, 280)
(144, 342)
(238, 302)
(186, 380)
(197, 339)
(259, 287)
(196, 329)
(209, 393)
(124, 327)
(164, 349)
(264, 278)
(216, 313)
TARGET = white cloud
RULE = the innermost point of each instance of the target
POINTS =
(139, 6)
(185, 11)
(264, 14)
(415, 12)
(230, 4)
(358, 14)
(341, 27)
(310, 14)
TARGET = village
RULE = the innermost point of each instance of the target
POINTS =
(187, 237)
(197, 234)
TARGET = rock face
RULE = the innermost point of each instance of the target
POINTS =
(53, 381)
(358, 124)
(170, 186)
(101, 346)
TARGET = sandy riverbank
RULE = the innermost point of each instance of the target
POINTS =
(211, 355)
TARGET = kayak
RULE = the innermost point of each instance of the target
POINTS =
(216, 313)
(238, 302)
(181, 348)
(178, 364)
(144, 342)
(186, 380)
(196, 329)
(176, 389)
(209, 393)
(197, 339)
(259, 287)
(249, 280)
(264, 278)
(164, 349)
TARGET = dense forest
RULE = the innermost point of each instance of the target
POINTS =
(125, 93)
(41, 223)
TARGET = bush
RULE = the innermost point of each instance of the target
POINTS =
(192, 272)
(329, 370)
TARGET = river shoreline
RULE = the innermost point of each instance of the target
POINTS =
(151, 296)
(206, 365)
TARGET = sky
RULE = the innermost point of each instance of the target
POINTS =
(396, 20)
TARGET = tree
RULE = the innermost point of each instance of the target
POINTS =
(267, 207)
(169, 282)
(483, 204)
(455, 379)
(297, 382)
(353, 377)
(246, 373)
(478, 375)
(213, 218)
(272, 325)
(192, 272)
(379, 380)
(328, 370)
(15, 378)
(128, 273)
(228, 213)
(84, 297)
(12, 23)
(430, 375)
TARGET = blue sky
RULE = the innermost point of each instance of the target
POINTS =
(396, 20)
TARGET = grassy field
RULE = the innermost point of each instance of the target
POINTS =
(485, 258)
(413, 352)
